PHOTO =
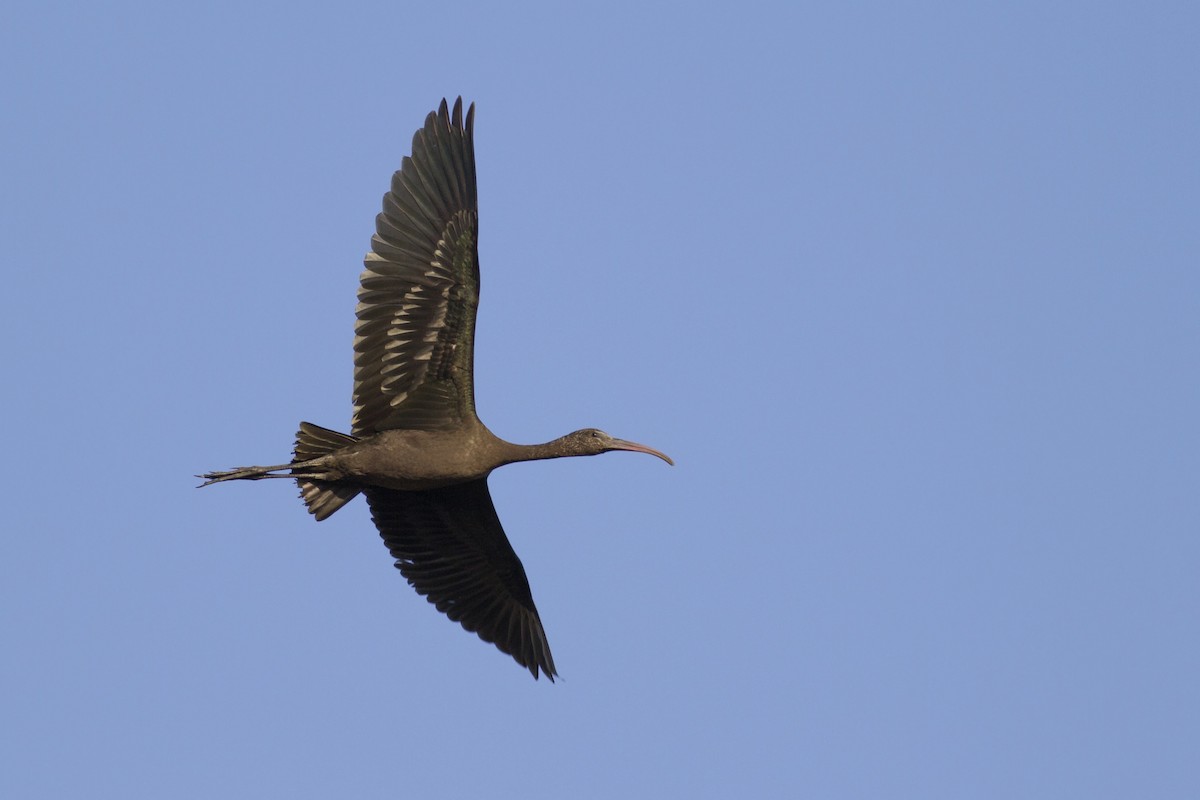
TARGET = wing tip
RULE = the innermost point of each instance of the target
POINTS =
(453, 118)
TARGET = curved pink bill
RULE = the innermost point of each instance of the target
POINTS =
(634, 447)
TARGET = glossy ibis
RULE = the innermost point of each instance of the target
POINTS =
(416, 448)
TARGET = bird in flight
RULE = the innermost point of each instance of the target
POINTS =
(416, 449)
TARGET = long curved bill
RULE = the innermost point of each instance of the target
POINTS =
(634, 447)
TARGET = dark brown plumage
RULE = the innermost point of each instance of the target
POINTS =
(417, 449)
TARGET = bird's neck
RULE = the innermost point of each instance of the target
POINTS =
(556, 448)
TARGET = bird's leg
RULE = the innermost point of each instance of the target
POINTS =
(298, 469)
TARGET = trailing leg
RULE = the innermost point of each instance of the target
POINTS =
(294, 470)
(311, 468)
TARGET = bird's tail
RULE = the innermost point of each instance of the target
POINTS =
(322, 498)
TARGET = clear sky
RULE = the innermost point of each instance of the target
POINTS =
(910, 291)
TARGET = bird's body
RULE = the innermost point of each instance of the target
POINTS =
(412, 460)
(417, 450)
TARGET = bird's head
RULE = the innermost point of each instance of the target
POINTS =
(590, 442)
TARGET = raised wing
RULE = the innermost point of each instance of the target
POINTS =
(449, 544)
(415, 335)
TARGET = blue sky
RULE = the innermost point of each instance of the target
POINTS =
(908, 290)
